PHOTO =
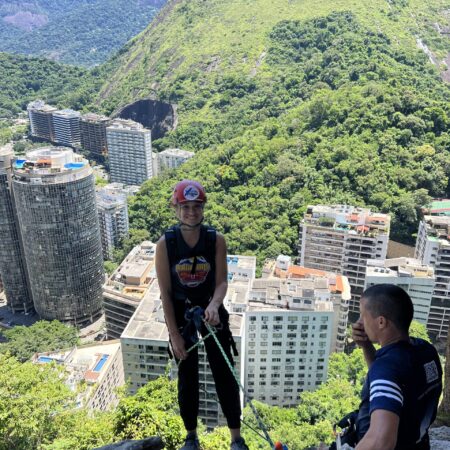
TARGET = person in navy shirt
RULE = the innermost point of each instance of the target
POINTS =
(404, 382)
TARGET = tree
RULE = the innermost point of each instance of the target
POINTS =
(419, 330)
(31, 397)
(152, 411)
(110, 266)
(83, 430)
(23, 342)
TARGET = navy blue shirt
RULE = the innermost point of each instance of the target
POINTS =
(406, 379)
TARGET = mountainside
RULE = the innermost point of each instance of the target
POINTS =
(290, 103)
(23, 79)
(83, 32)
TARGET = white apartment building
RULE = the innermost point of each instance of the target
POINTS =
(409, 274)
(433, 248)
(96, 368)
(66, 124)
(112, 210)
(286, 352)
(340, 239)
(145, 343)
(127, 286)
(130, 152)
(172, 158)
(295, 318)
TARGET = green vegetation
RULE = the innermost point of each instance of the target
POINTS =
(335, 113)
(42, 413)
(23, 79)
(23, 342)
(32, 399)
(153, 410)
(82, 33)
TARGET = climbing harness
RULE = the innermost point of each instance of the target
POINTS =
(195, 318)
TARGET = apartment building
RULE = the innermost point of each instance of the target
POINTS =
(94, 372)
(172, 158)
(295, 318)
(93, 135)
(145, 356)
(340, 239)
(129, 151)
(54, 198)
(41, 120)
(112, 209)
(66, 124)
(127, 286)
(12, 259)
(411, 275)
(433, 249)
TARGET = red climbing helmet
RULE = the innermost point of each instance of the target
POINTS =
(188, 191)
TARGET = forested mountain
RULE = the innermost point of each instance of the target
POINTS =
(80, 32)
(294, 102)
(23, 79)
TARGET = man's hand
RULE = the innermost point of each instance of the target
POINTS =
(212, 314)
(178, 346)
(361, 339)
(359, 336)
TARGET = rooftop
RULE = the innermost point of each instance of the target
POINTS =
(92, 117)
(67, 113)
(88, 363)
(399, 267)
(177, 152)
(40, 105)
(107, 198)
(51, 163)
(148, 319)
(311, 278)
(438, 228)
(348, 218)
(133, 277)
(241, 261)
(126, 125)
(438, 207)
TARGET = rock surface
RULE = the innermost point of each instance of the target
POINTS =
(152, 443)
(440, 438)
(160, 117)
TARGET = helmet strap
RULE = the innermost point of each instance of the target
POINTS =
(191, 227)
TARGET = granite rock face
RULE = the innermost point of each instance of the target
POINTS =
(440, 438)
(151, 443)
(160, 117)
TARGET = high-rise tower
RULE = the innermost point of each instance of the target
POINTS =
(12, 264)
(41, 120)
(93, 134)
(56, 207)
(340, 239)
(130, 152)
(67, 127)
(113, 218)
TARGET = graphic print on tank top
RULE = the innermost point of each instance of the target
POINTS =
(192, 271)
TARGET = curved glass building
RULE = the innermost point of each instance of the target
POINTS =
(55, 198)
(12, 264)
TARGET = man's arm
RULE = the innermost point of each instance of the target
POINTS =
(382, 433)
(212, 311)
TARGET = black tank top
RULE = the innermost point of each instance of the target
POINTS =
(192, 270)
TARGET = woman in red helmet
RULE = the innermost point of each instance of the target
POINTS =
(192, 272)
